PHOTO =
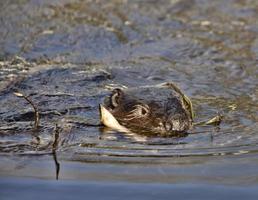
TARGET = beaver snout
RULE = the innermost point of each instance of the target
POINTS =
(149, 110)
(177, 123)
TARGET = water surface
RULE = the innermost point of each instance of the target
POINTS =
(67, 56)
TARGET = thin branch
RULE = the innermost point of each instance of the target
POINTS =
(56, 137)
(57, 164)
(36, 112)
(54, 148)
(213, 121)
(186, 99)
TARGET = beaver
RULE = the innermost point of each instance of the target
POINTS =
(154, 110)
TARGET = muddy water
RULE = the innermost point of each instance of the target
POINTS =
(66, 56)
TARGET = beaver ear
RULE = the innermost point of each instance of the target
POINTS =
(115, 97)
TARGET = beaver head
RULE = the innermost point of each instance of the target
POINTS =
(152, 110)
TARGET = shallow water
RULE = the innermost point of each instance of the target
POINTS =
(72, 53)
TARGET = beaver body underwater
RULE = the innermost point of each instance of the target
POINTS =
(151, 110)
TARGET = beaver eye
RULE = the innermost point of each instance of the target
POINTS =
(115, 97)
(142, 110)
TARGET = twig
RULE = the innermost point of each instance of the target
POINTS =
(54, 148)
(36, 112)
(56, 137)
(57, 164)
(213, 121)
(187, 101)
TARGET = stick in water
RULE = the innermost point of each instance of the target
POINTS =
(36, 112)
(213, 121)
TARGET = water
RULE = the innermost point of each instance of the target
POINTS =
(72, 53)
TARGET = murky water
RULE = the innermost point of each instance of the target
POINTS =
(72, 53)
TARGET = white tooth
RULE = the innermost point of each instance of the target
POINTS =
(109, 120)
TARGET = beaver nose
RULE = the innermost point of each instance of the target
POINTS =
(177, 122)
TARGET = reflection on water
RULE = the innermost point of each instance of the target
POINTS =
(72, 53)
